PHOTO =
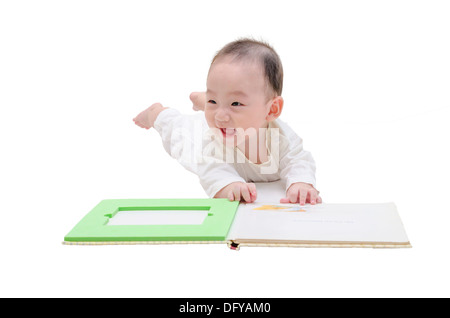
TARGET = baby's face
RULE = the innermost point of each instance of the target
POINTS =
(236, 99)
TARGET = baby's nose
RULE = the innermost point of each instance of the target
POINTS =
(222, 116)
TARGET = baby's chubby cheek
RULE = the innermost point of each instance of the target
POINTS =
(210, 119)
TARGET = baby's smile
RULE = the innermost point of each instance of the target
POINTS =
(228, 132)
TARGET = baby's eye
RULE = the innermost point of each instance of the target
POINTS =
(236, 104)
(212, 101)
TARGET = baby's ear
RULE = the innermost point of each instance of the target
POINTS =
(275, 108)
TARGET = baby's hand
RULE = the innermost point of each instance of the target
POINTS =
(238, 191)
(302, 193)
(146, 118)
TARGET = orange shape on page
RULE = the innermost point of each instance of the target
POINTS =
(279, 207)
(270, 207)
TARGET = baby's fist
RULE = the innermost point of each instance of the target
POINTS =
(302, 193)
(238, 191)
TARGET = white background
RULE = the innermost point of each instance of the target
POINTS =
(366, 86)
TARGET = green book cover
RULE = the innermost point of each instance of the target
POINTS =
(97, 225)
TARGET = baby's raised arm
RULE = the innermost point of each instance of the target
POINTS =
(146, 118)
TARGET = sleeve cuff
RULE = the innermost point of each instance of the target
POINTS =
(164, 117)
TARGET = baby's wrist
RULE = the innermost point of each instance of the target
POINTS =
(154, 112)
(158, 108)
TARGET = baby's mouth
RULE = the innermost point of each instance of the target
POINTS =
(227, 132)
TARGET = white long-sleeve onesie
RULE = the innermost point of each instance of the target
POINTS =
(188, 139)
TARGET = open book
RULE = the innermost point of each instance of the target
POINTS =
(262, 223)
(321, 225)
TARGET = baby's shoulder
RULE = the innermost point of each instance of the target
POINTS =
(287, 137)
(283, 128)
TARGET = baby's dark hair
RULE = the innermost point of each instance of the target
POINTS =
(260, 51)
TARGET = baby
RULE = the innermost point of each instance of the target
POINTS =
(241, 107)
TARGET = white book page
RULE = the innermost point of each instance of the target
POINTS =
(321, 222)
